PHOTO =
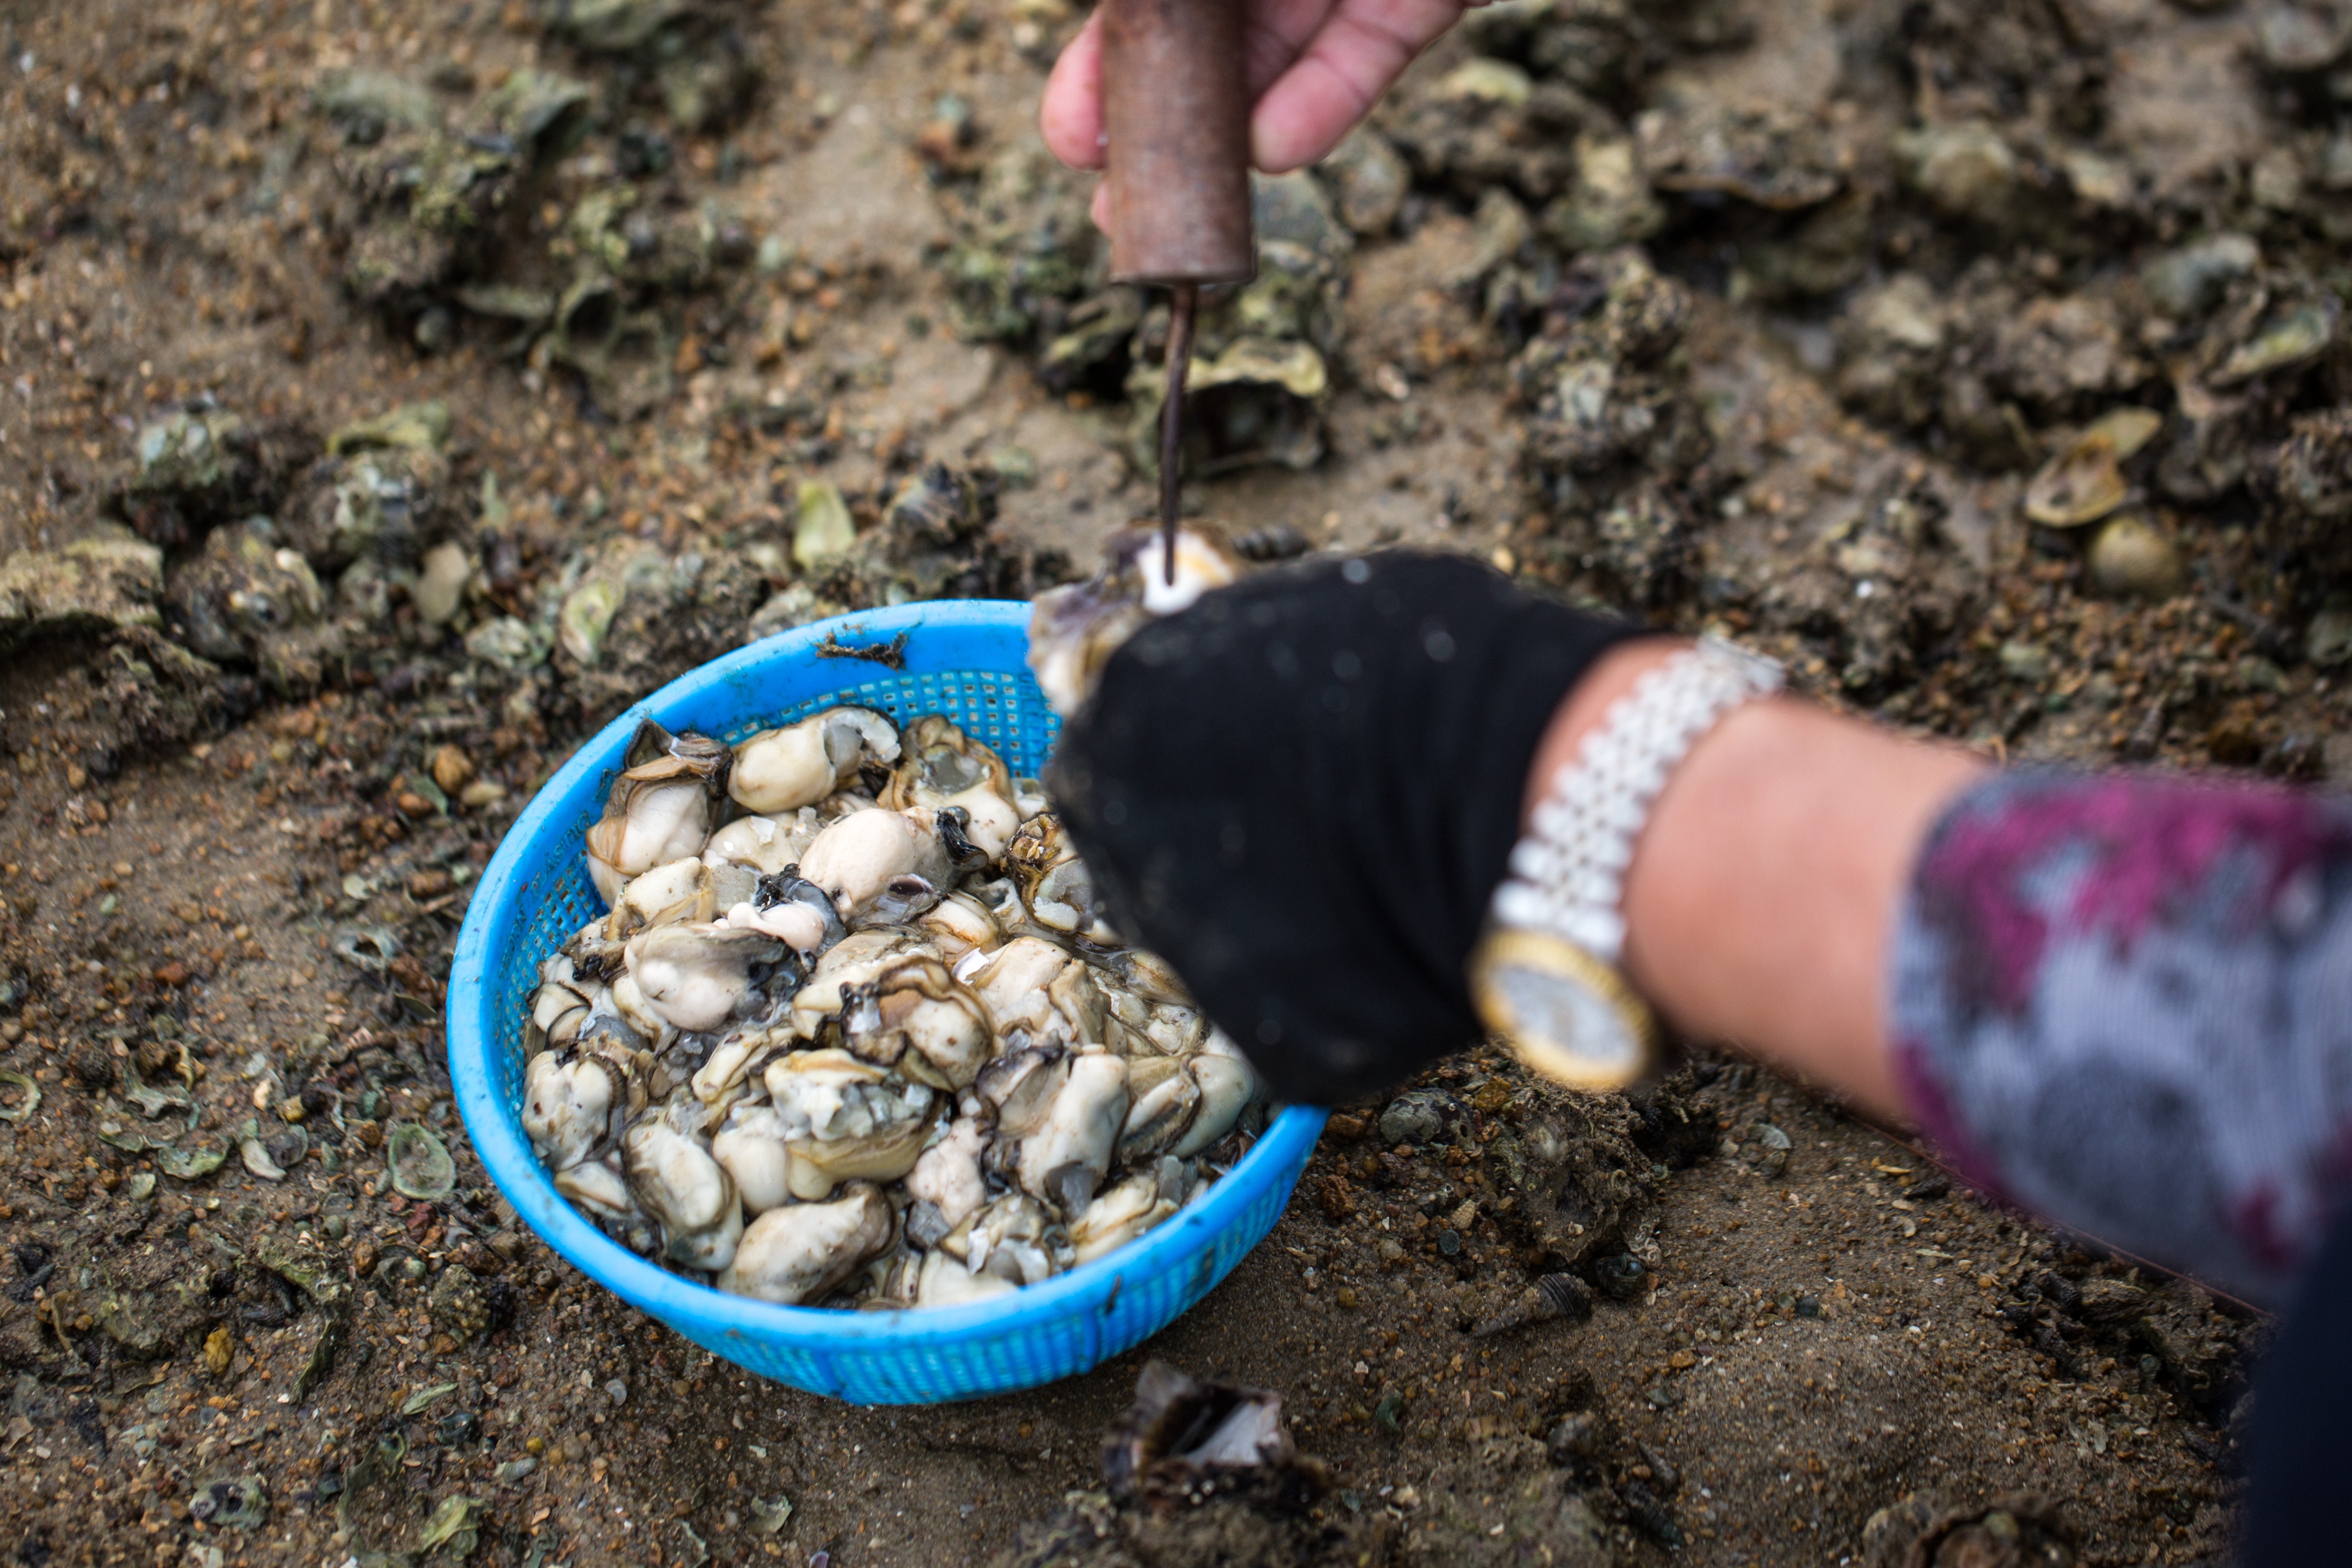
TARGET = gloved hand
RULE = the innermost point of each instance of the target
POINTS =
(1302, 792)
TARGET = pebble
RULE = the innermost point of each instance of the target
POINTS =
(617, 1392)
(452, 769)
(1420, 1116)
(1577, 1436)
(2191, 280)
(218, 1347)
(2329, 640)
(824, 532)
(442, 583)
(1966, 169)
(2134, 558)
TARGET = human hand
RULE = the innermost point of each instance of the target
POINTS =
(1303, 790)
(1315, 69)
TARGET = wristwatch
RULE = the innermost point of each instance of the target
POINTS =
(1545, 973)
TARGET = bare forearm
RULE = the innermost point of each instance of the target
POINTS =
(1762, 896)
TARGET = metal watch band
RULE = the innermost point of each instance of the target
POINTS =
(1568, 873)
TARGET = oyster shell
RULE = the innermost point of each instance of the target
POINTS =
(1013, 1238)
(1074, 630)
(728, 1068)
(800, 764)
(1227, 1088)
(855, 961)
(562, 1005)
(791, 1254)
(636, 1016)
(1147, 975)
(1021, 1087)
(682, 892)
(959, 924)
(1181, 1428)
(597, 1187)
(659, 808)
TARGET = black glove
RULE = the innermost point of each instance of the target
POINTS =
(1303, 790)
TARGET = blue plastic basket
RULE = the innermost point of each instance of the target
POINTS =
(964, 659)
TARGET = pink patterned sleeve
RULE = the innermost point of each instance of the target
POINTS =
(2124, 1001)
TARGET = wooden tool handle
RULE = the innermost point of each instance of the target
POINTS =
(1176, 110)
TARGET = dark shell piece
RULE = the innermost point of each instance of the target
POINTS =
(1181, 1430)
(1621, 1276)
(655, 754)
(1551, 1296)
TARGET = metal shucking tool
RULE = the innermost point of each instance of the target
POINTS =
(1176, 117)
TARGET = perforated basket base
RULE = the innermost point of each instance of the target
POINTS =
(964, 659)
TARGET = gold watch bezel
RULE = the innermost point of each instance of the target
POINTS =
(1580, 967)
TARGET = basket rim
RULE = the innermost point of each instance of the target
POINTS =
(495, 1127)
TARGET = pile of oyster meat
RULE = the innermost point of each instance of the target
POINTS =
(854, 1033)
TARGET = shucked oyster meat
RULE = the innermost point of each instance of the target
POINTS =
(853, 1031)
(660, 807)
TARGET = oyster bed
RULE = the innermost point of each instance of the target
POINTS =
(853, 1032)
(1761, 317)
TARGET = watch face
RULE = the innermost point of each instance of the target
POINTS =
(1569, 1016)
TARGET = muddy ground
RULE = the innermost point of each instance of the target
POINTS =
(390, 393)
